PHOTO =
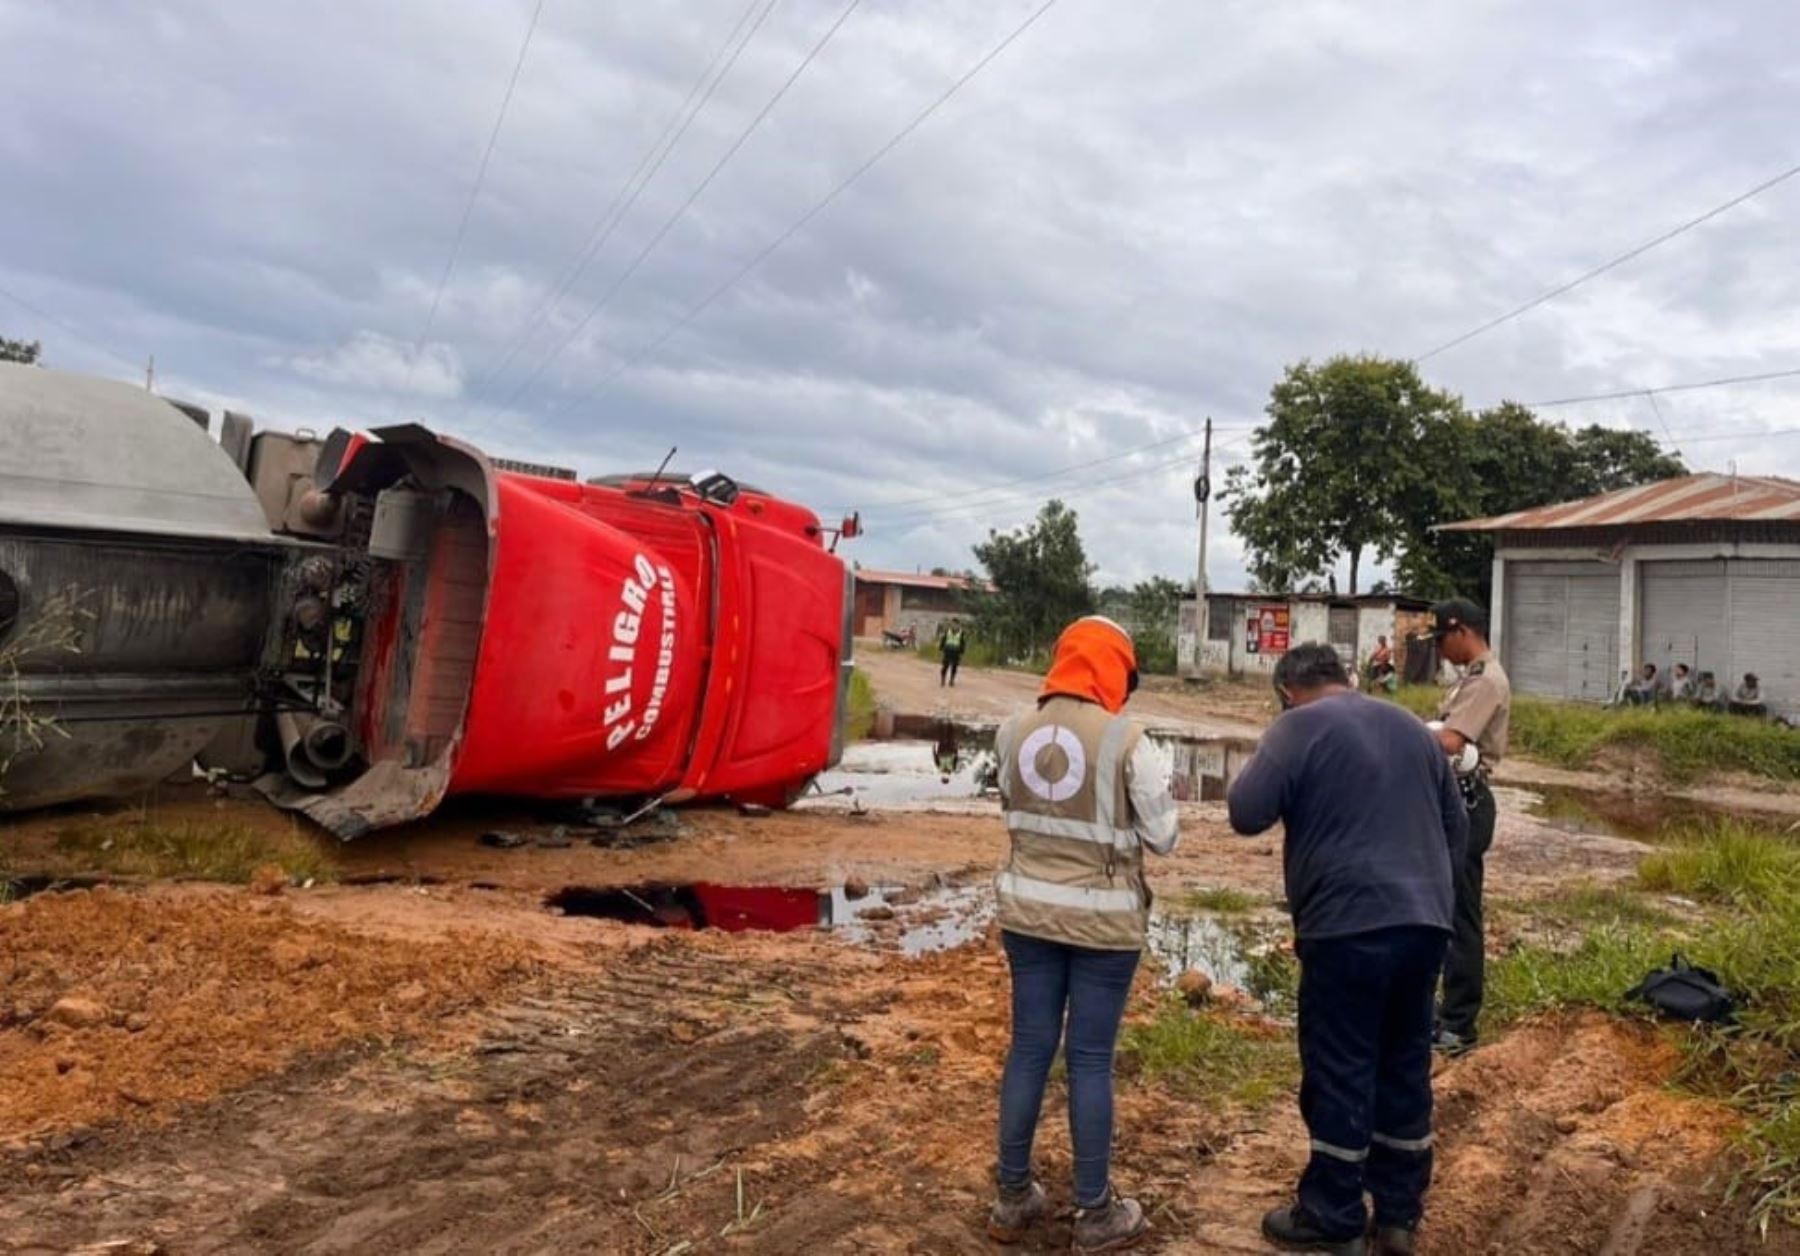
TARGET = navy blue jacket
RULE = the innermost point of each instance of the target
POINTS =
(1372, 813)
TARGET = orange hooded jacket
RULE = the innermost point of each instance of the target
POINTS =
(1094, 661)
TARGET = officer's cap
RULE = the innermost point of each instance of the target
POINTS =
(1457, 612)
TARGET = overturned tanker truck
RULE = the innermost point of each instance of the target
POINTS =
(368, 625)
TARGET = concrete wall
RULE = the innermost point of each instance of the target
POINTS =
(1307, 620)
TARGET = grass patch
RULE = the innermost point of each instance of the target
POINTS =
(859, 721)
(1725, 861)
(1587, 906)
(1750, 878)
(211, 852)
(1220, 900)
(1211, 1056)
(1686, 741)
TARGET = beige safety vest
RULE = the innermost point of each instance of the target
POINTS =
(1076, 872)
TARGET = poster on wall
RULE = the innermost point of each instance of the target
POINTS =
(1266, 631)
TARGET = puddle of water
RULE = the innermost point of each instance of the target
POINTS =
(1646, 817)
(915, 922)
(923, 759)
(1244, 954)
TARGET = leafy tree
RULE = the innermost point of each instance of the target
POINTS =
(26, 351)
(1040, 576)
(1609, 458)
(1507, 459)
(1340, 469)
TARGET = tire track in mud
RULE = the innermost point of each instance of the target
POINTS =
(605, 1115)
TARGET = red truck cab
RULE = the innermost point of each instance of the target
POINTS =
(495, 629)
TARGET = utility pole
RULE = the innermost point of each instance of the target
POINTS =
(1203, 498)
(150, 374)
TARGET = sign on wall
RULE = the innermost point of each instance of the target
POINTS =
(1267, 629)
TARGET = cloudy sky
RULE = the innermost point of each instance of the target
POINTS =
(1129, 220)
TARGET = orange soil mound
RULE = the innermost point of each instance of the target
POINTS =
(169, 1000)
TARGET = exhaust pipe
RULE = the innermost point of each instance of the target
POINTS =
(311, 747)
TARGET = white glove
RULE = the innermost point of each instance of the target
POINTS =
(1467, 761)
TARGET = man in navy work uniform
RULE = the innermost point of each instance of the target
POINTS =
(1374, 825)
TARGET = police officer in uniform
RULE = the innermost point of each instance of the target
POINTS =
(1471, 726)
(1085, 793)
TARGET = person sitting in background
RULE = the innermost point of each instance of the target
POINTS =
(1681, 689)
(1706, 693)
(1647, 688)
(1621, 695)
(1748, 699)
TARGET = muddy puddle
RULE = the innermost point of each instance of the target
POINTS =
(1245, 954)
(915, 760)
(1644, 817)
(914, 922)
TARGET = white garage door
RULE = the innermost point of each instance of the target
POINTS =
(1765, 604)
(1681, 617)
(1561, 637)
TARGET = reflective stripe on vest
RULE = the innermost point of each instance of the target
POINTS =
(1052, 894)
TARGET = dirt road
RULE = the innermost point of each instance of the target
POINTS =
(905, 682)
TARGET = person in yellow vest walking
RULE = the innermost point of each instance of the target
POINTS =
(1085, 794)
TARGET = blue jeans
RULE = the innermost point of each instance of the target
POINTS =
(1365, 1060)
(1048, 977)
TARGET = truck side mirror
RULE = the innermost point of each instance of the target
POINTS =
(851, 527)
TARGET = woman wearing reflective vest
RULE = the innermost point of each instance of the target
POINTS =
(1085, 793)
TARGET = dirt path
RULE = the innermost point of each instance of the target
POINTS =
(906, 683)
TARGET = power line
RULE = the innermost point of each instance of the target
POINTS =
(674, 130)
(1712, 436)
(462, 227)
(1616, 262)
(669, 224)
(799, 224)
(1013, 500)
(1629, 393)
(1028, 479)
(85, 339)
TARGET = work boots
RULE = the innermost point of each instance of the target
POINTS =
(1110, 1226)
(1294, 1228)
(1394, 1240)
(1016, 1209)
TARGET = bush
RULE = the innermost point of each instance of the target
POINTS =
(859, 721)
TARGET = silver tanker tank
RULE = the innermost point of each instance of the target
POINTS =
(138, 584)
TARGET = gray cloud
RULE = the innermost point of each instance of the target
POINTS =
(1132, 220)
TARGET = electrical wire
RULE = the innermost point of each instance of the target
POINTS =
(674, 130)
(699, 307)
(1629, 393)
(1615, 263)
(681, 210)
(54, 321)
(1012, 501)
(462, 227)
(1030, 479)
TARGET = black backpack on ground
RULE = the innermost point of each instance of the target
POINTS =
(1684, 992)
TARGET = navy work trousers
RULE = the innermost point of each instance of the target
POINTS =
(1465, 965)
(1365, 1088)
(1049, 978)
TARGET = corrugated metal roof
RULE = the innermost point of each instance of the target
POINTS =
(80, 452)
(1706, 497)
(917, 580)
